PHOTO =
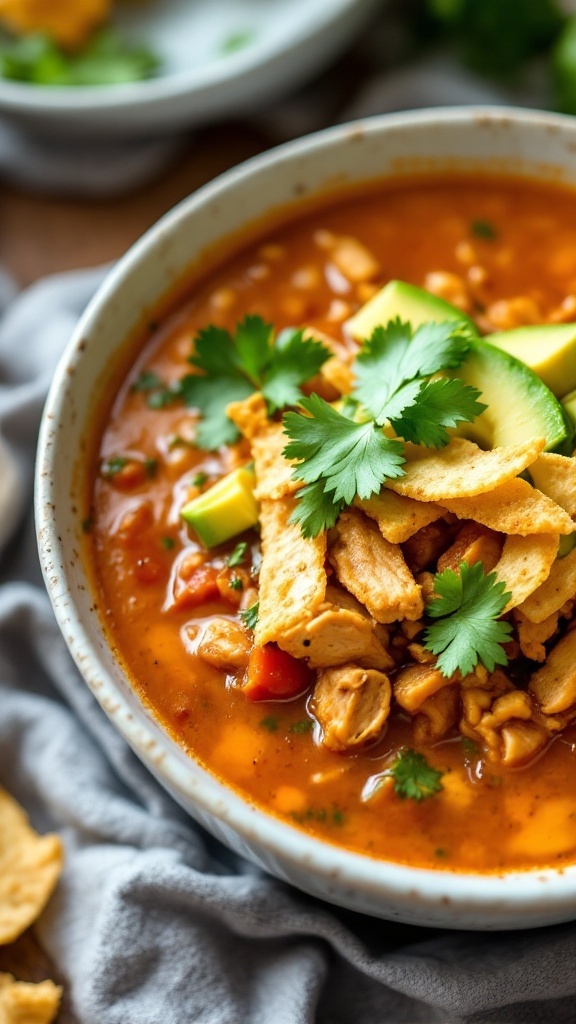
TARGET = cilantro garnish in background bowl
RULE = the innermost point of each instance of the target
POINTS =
(106, 59)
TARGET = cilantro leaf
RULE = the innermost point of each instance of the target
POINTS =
(467, 605)
(237, 556)
(211, 395)
(351, 458)
(440, 404)
(393, 359)
(106, 59)
(250, 615)
(232, 368)
(296, 360)
(414, 777)
(315, 510)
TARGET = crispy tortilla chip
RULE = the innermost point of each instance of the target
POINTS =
(555, 475)
(273, 471)
(339, 374)
(29, 869)
(461, 469)
(398, 518)
(513, 507)
(374, 571)
(25, 1003)
(292, 576)
(559, 587)
(249, 415)
(525, 564)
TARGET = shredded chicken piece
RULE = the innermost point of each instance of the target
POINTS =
(554, 685)
(415, 684)
(506, 314)
(427, 546)
(341, 631)
(521, 741)
(374, 570)
(448, 286)
(474, 543)
(437, 715)
(503, 718)
(532, 636)
(352, 705)
(224, 644)
(353, 259)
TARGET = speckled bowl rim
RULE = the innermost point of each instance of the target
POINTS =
(517, 894)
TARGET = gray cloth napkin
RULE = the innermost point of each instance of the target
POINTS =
(153, 921)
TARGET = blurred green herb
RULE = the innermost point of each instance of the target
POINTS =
(106, 59)
(237, 41)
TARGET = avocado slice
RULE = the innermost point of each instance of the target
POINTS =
(520, 405)
(569, 406)
(410, 303)
(549, 350)
(228, 508)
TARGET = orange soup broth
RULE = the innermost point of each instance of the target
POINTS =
(487, 818)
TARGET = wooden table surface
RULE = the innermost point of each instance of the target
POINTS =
(42, 235)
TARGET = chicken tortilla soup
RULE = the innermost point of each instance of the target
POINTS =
(330, 524)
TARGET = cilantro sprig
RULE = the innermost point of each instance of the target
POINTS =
(414, 778)
(341, 454)
(107, 59)
(467, 604)
(231, 368)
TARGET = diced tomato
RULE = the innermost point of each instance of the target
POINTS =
(200, 587)
(274, 675)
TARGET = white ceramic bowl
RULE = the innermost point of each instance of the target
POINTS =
(287, 42)
(500, 140)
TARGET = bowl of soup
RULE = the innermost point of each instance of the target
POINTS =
(305, 503)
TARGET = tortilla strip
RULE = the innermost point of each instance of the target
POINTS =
(374, 571)
(338, 374)
(559, 587)
(555, 475)
(273, 471)
(461, 469)
(23, 1002)
(398, 518)
(250, 415)
(525, 564)
(30, 866)
(292, 575)
(513, 507)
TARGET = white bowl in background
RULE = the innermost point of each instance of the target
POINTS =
(288, 42)
(507, 141)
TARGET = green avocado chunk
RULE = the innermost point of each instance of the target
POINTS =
(569, 406)
(410, 303)
(227, 508)
(520, 405)
(549, 350)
